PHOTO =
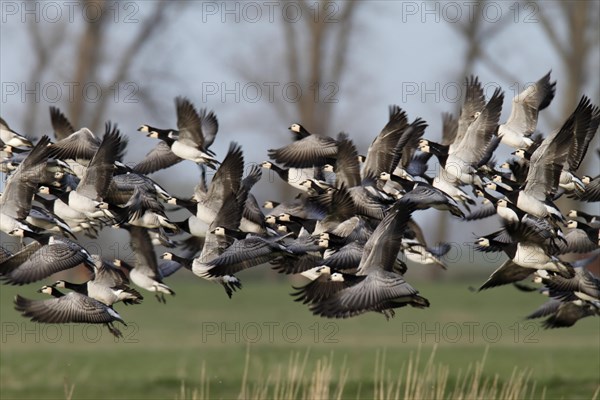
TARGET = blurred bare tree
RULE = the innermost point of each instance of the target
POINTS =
(92, 59)
(580, 21)
(321, 65)
(476, 31)
(316, 49)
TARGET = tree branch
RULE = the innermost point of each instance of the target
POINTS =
(88, 56)
(552, 35)
(149, 28)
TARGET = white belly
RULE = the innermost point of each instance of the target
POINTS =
(142, 280)
(189, 153)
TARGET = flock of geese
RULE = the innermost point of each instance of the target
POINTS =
(348, 231)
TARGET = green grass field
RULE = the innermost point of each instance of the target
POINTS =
(201, 336)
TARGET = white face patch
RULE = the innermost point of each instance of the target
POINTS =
(483, 242)
(295, 128)
(219, 231)
(284, 217)
(520, 153)
(17, 232)
(337, 277)
(323, 270)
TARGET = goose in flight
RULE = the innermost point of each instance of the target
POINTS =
(375, 287)
(195, 133)
(68, 308)
(521, 123)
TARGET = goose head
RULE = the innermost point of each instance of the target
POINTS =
(284, 217)
(483, 242)
(46, 289)
(324, 243)
(424, 146)
(502, 203)
(384, 176)
(296, 128)
(520, 153)
(572, 224)
(328, 168)
(60, 284)
(336, 277)
(218, 231)
(266, 164)
(491, 185)
(270, 204)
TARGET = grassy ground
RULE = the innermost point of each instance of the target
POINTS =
(201, 336)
